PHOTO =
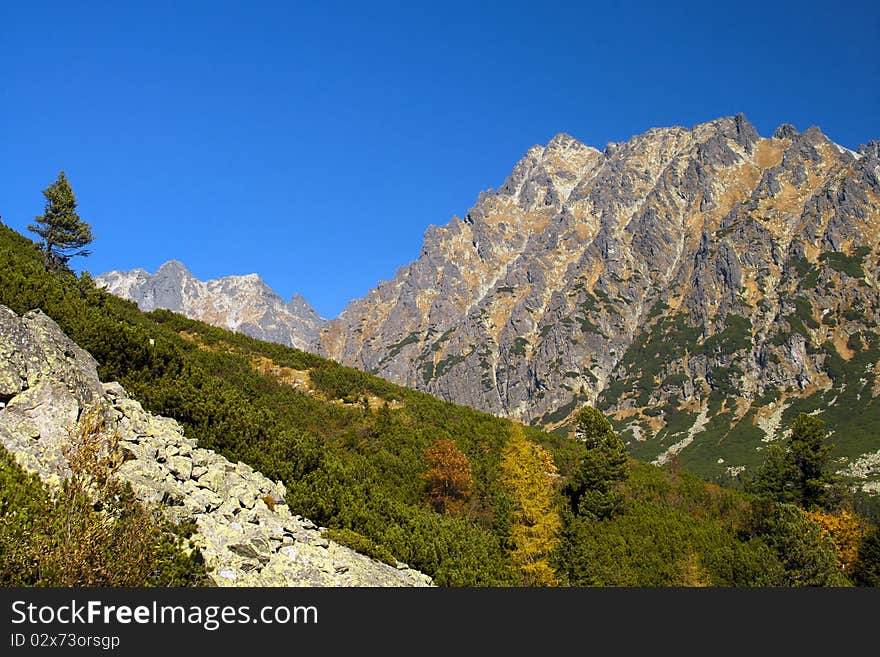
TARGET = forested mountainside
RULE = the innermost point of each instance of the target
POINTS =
(703, 286)
(88, 439)
(464, 496)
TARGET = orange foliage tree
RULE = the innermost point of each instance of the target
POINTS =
(449, 478)
(846, 530)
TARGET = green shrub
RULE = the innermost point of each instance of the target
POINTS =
(360, 543)
(58, 538)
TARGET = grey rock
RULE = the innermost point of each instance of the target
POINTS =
(785, 131)
(181, 467)
(245, 303)
(871, 149)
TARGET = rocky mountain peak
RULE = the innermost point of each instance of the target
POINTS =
(173, 268)
(247, 279)
(785, 131)
(242, 303)
(302, 308)
(563, 287)
(871, 149)
(562, 142)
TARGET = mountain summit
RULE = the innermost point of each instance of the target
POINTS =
(239, 303)
(697, 284)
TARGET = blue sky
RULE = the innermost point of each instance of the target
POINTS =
(313, 143)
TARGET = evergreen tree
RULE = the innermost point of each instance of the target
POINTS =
(867, 567)
(593, 489)
(806, 551)
(64, 233)
(801, 472)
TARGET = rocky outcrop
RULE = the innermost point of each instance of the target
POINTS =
(246, 532)
(238, 303)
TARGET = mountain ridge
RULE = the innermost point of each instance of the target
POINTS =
(243, 303)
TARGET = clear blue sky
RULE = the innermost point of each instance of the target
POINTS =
(313, 143)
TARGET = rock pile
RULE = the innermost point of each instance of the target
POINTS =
(246, 532)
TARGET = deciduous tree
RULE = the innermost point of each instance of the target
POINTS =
(528, 475)
(845, 530)
(449, 476)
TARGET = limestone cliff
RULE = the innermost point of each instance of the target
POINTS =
(246, 532)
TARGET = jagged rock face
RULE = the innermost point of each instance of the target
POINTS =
(47, 382)
(239, 303)
(689, 281)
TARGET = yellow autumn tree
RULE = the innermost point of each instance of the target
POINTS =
(691, 571)
(846, 530)
(528, 476)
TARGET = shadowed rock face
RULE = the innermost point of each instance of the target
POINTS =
(239, 303)
(47, 382)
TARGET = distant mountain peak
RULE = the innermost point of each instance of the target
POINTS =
(246, 278)
(243, 303)
(785, 131)
(173, 266)
(299, 306)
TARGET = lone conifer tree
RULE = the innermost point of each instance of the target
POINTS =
(594, 487)
(64, 233)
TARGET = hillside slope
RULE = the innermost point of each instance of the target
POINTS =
(245, 532)
(353, 452)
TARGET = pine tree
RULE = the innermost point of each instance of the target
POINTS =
(801, 472)
(867, 568)
(64, 233)
(593, 489)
